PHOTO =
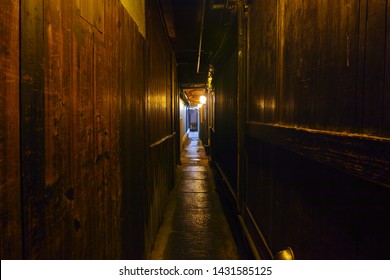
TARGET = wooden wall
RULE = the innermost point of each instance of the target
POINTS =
(133, 139)
(226, 118)
(161, 134)
(85, 131)
(10, 185)
(328, 63)
(317, 136)
(317, 128)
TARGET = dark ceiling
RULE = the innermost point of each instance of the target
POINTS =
(183, 20)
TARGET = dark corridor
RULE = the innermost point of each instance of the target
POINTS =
(194, 225)
(293, 113)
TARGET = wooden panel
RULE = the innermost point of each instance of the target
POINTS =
(105, 216)
(375, 58)
(133, 141)
(83, 142)
(113, 238)
(319, 61)
(57, 78)
(262, 61)
(293, 177)
(317, 129)
(32, 128)
(160, 183)
(315, 209)
(328, 144)
(159, 79)
(10, 187)
(386, 98)
(84, 132)
(335, 67)
(362, 156)
(92, 12)
(311, 82)
(159, 108)
(79, 113)
(293, 208)
(226, 118)
(136, 10)
(259, 194)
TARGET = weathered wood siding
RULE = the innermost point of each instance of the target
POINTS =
(10, 191)
(160, 106)
(72, 190)
(317, 142)
(317, 128)
(85, 131)
(133, 139)
(226, 118)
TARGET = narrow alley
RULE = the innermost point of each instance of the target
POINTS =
(194, 129)
(194, 225)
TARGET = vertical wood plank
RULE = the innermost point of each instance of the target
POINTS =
(32, 129)
(114, 20)
(93, 13)
(132, 139)
(83, 145)
(374, 67)
(331, 75)
(159, 106)
(260, 193)
(102, 139)
(84, 133)
(10, 185)
(55, 130)
(263, 40)
(386, 98)
(226, 117)
(360, 71)
(65, 129)
(318, 45)
(105, 57)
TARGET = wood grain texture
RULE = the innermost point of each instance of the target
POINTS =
(325, 139)
(32, 128)
(133, 139)
(364, 157)
(91, 187)
(317, 156)
(226, 118)
(315, 209)
(161, 139)
(374, 62)
(10, 183)
(262, 62)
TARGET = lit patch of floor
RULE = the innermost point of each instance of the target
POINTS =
(194, 224)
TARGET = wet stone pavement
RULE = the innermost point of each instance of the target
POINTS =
(194, 226)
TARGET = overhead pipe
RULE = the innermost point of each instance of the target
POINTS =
(201, 36)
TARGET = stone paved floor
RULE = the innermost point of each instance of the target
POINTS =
(194, 226)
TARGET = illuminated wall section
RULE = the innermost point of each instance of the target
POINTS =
(136, 9)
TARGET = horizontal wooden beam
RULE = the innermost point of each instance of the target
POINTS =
(364, 156)
(162, 140)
